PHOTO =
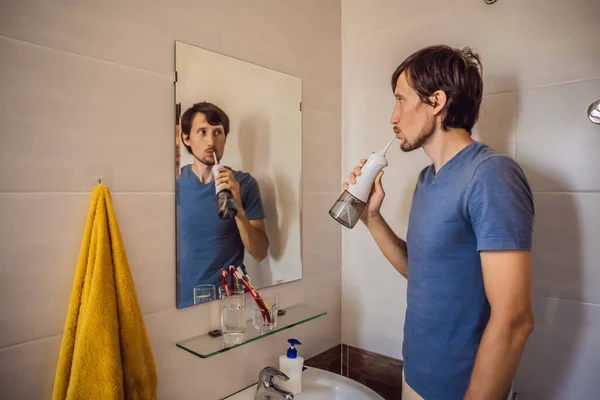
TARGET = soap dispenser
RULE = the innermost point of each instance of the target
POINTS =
(291, 365)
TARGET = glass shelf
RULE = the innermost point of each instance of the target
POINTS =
(205, 346)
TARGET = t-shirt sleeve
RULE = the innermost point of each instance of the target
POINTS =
(500, 205)
(251, 199)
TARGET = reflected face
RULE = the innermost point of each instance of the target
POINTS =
(413, 120)
(204, 139)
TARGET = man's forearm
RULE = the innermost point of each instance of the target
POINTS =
(254, 240)
(497, 359)
(392, 247)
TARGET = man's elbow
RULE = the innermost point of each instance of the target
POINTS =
(262, 252)
(523, 326)
(260, 256)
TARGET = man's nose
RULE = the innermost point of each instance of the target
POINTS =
(210, 140)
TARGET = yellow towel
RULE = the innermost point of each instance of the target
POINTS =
(105, 351)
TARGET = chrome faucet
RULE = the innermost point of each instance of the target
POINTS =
(267, 389)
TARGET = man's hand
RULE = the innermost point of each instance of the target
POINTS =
(252, 233)
(376, 195)
(507, 281)
(226, 180)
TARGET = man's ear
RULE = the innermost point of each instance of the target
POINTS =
(185, 137)
(438, 101)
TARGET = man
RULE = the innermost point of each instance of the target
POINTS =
(467, 251)
(207, 243)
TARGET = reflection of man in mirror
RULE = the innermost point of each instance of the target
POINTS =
(206, 243)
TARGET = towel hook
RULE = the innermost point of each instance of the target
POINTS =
(594, 112)
(99, 180)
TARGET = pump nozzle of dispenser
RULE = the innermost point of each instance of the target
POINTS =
(292, 352)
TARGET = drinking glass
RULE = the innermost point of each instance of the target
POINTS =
(204, 294)
(265, 320)
(233, 312)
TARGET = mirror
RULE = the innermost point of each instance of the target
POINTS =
(250, 118)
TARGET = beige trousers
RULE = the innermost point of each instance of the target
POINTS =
(408, 393)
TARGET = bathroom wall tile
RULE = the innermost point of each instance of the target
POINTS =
(242, 364)
(565, 254)
(373, 319)
(556, 143)
(40, 251)
(497, 120)
(512, 58)
(325, 292)
(298, 38)
(72, 119)
(321, 152)
(40, 237)
(147, 223)
(373, 309)
(27, 371)
(133, 33)
(322, 235)
(329, 360)
(561, 357)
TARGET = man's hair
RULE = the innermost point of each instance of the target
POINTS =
(454, 71)
(214, 116)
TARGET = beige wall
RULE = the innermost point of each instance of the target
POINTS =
(87, 92)
(541, 70)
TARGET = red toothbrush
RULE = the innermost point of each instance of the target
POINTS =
(224, 280)
(232, 274)
(259, 301)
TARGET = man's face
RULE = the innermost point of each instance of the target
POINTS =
(413, 120)
(204, 139)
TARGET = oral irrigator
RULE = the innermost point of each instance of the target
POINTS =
(350, 205)
(226, 206)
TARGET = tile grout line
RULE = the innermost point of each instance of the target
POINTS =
(515, 124)
(162, 74)
(20, 344)
(587, 303)
(543, 86)
(321, 112)
(81, 193)
(567, 192)
(222, 24)
(549, 85)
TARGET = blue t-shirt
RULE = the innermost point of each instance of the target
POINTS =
(205, 242)
(479, 200)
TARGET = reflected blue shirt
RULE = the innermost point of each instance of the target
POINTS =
(479, 200)
(205, 242)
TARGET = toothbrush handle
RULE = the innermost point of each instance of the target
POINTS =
(233, 279)
(259, 301)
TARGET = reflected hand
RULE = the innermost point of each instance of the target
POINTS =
(376, 195)
(226, 180)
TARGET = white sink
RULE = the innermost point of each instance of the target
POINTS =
(318, 384)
